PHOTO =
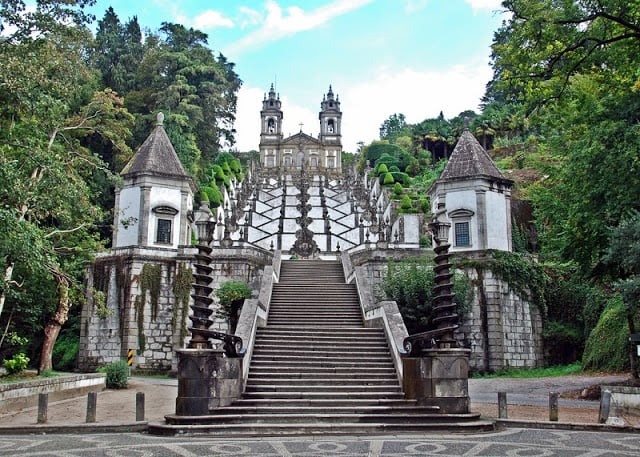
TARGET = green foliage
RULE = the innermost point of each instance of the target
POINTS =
(16, 364)
(410, 283)
(65, 352)
(525, 276)
(528, 373)
(232, 295)
(382, 169)
(607, 347)
(563, 342)
(405, 204)
(624, 253)
(117, 374)
(100, 302)
(387, 179)
(182, 284)
(397, 190)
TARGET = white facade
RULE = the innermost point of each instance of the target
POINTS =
(480, 214)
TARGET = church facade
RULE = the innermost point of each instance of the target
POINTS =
(321, 154)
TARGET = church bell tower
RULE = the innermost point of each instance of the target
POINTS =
(271, 116)
(330, 118)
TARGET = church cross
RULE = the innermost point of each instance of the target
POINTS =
(301, 124)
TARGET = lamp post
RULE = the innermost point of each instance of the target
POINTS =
(445, 318)
(201, 307)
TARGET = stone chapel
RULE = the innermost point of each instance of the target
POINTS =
(301, 150)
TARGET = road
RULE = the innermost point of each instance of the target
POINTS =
(511, 442)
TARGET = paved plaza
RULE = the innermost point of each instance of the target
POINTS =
(511, 442)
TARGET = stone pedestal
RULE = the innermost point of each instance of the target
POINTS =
(440, 377)
(206, 380)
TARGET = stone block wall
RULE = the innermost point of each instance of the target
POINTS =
(501, 328)
(153, 324)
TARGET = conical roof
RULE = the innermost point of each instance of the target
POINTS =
(470, 160)
(156, 155)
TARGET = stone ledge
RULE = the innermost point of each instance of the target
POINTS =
(20, 395)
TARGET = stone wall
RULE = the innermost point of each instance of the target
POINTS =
(501, 329)
(153, 324)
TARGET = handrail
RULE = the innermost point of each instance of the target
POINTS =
(255, 311)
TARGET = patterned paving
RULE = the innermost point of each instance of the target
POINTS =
(512, 442)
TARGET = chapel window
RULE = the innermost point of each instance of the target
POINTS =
(163, 232)
(462, 234)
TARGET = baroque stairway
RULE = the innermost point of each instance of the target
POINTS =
(317, 370)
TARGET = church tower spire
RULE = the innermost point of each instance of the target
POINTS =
(330, 117)
(271, 116)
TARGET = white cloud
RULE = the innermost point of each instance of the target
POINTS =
(413, 6)
(249, 17)
(281, 23)
(484, 4)
(416, 94)
(211, 19)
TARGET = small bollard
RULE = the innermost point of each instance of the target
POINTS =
(553, 406)
(43, 406)
(605, 406)
(92, 403)
(139, 406)
(502, 405)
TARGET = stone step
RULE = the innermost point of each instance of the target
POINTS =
(263, 347)
(324, 358)
(322, 352)
(319, 418)
(319, 341)
(189, 426)
(392, 408)
(314, 323)
(324, 389)
(333, 372)
(321, 380)
(326, 394)
(355, 332)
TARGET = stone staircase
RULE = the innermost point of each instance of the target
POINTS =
(317, 370)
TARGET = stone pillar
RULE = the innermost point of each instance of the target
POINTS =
(206, 380)
(440, 377)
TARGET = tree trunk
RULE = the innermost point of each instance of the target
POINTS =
(8, 274)
(52, 329)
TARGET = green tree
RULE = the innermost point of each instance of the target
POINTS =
(50, 107)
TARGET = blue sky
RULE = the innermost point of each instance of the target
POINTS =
(415, 57)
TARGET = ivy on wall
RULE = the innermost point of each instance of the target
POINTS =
(182, 283)
(149, 278)
(525, 277)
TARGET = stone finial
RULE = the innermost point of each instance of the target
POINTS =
(160, 119)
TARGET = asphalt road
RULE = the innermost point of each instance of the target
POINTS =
(511, 442)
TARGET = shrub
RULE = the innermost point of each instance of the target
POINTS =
(387, 179)
(16, 364)
(382, 169)
(117, 375)
(607, 347)
(405, 204)
(397, 189)
(563, 342)
(232, 295)
(410, 283)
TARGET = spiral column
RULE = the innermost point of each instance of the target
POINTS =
(201, 307)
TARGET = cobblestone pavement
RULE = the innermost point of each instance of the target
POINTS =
(511, 442)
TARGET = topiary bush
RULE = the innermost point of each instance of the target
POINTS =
(117, 375)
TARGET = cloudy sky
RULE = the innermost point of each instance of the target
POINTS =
(415, 57)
